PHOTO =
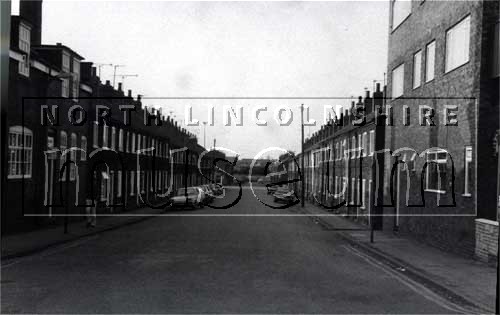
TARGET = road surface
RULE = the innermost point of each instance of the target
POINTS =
(202, 263)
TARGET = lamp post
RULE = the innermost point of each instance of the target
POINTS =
(67, 163)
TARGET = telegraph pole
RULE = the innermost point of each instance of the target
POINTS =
(302, 192)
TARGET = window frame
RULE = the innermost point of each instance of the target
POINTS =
(22, 148)
(427, 61)
(446, 57)
(402, 66)
(417, 73)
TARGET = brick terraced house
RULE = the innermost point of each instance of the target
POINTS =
(56, 159)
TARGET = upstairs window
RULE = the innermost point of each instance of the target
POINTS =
(372, 142)
(457, 45)
(417, 69)
(76, 78)
(398, 81)
(20, 152)
(120, 140)
(400, 11)
(430, 57)
(24, 46)
(65, 69)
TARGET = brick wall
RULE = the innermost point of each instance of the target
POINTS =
(486, 240)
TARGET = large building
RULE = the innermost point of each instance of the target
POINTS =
(428, 155)
(444, 55)
(71, 139)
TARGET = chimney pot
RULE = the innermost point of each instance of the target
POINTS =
(108, 82)
(367, 94)
(129, 93)
(378, 87)
(119, 86)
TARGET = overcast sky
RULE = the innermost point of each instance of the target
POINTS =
(231, 49)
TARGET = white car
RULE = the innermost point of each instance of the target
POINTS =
(193, 198)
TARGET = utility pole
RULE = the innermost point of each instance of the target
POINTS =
(114, 73)
(302, 192)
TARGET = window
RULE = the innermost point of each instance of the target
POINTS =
(113, 138)
(132, 139)
(63, 145)
(467, 171)
(436, 171)
(105, 136)
(120, 140)
(65, 69)
(360, 145)
(24, 46)
(73, 148)
(132, 183)
(104, 186)
(365, 144)
(138, 142)
(119, 184)
(76, 78)
(430, 56)
(353, 190)
(417, 69)
(127, 141)
(143, 182)
(83, 145)
(372, 142)
(95, 135)
(457, 45)
(20, 152)
(353, 147)
(400, 11)
(398, 81)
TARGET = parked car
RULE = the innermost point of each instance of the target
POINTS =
(208, 194)
(217, 189)
(284, 195)
(193, 198)
(271, 188)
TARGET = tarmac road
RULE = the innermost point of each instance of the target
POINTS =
(202, 261)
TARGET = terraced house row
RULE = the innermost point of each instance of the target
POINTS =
(433, 178)
(59, 154)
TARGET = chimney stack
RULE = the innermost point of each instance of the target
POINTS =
(129, 93)
(31, 10)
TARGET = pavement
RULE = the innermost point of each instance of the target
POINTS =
(249, 258)
(18, 245)
(466, 281)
